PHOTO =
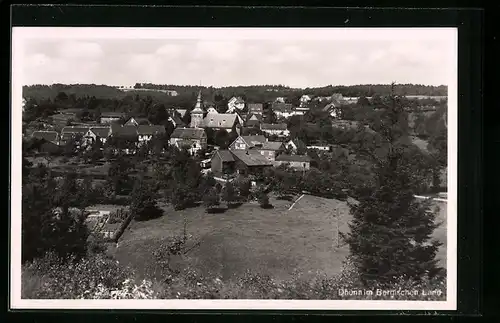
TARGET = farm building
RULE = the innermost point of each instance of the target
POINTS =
(192, 138)
(297, 162)
(222, 162)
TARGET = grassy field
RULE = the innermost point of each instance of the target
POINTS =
(277, 242)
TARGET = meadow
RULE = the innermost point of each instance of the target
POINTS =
(277, 242)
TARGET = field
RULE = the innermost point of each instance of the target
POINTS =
(275, 242)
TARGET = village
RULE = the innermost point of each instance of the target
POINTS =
(262, 168)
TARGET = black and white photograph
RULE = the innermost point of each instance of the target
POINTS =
(234, 168)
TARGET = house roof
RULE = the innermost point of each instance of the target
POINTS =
(293, 158)
(112, 114)
(255, 107)
(47, 135)
(75, 129)
(273, 126)
(335, 104)
(101, 131)
(176, 119)
(221, 120)
(282, 107)
(235, 99)
(225, 155)
(188, 133)
(182, 112)
(251, 158)
(252, 140)
(150, 130)
(141, 120)
(124, 131)
(272, 145)
(252, 123)
(298, 143)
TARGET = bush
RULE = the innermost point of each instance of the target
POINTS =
(51, 278)
(118, 216)
(264, 201)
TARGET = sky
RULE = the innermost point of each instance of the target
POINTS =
(229, 57)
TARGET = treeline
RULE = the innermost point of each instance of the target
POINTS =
(255, 93)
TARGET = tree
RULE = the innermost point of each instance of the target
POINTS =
(143, 201)
(264, 200)
(390, 234)
(229, 194)
(211, 199)
(44, 228)
(118, 175)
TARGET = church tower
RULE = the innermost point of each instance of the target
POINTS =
(197, 113)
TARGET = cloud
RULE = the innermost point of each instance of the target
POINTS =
(79, 49)
(169, 50)
(224, 50)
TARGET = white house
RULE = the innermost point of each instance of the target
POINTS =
(235, 103)
(93, 133)
(279, 99)
(296, 162)
(304, 100)
(194, 139)
(282, 110)
(278, 129)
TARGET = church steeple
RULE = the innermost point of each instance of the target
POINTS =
(197, 113)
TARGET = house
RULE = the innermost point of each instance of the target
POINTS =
(296, 162)
(124, 132)
(171, 92)
(255, 108)
(305, 99)
(278, 129)
(222, 162)
(320, 147)
(334, 109)
(235, 103)
(136, 121)
(269, 149)
(253, 120)
(72, 132)
(50, 136)
(103, 133)
(295, 145)
(279, 99)
(194, 139)
(282, 110)
(250, 162)
(226, 121)
(145, 132)
(110, 117)
(247, 142)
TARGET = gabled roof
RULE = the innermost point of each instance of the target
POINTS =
(188, 133)
(293, 158)
(46, 135)
(272, 145)
(221, 120)
(299, 143)
(184, 143)
(273, 126)
(235, 99)
(102, 132)
(282, 107)
(140, 120)
(253, 140)
(332, 105)
(182, 112)
(150, 130)
(178, 121)
(225, 155)
(251, 157)
(75, 130)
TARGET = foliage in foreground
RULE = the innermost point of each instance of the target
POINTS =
(101, 278)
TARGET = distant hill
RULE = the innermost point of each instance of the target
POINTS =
(79, 90)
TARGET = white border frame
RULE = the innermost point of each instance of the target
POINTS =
(21, 34)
